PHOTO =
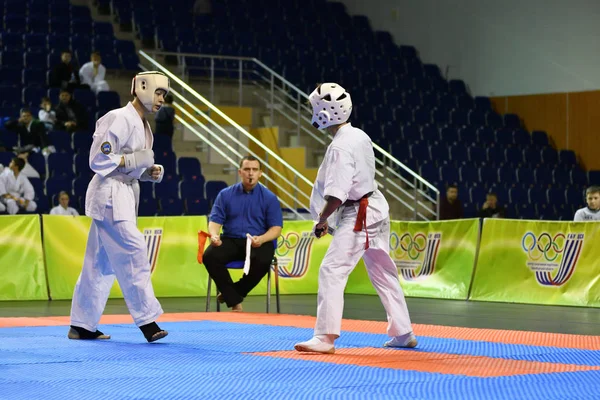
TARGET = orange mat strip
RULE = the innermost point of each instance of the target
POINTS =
(413, 360)
(304, 321)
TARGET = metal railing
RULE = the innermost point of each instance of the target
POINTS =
(281, 97)
(217, 133)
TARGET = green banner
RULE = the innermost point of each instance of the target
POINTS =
(172, 248)
(434, 259)
(22, 274)
(539, 262)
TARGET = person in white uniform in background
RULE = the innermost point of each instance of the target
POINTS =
(592, 211)
(16, 192)
(345, 197)
(63, 206)
(93, 74)
(121, 154)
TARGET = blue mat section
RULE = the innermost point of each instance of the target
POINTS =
(205, 360)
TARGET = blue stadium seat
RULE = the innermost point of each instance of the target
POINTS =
(513, 156)
(147, 207)
(483, 103)
(575, 196)
(477, 155)
(568, 158)
(147, 189)
(9, 138)
(517, 195)
(196, 206)
(526, 211)
(512, 121)
(459, 154)
(506, 174)
(32, 96)
(543, 175)
(561, 176)
(61, 140)
(449, 174)
(168, 188)
(579, 177)
(532, 157)
(536, 195)
(82, 142)
(86, 98)
(521, 138)
(162, 142)
(431, 134)
(486, 136)
(504, 137)
(556, 196)
(57, 184)
(477, 194)
(80, 186)
(468, 173)
(212, 190)
(189, 167)
(6, 157)
(449, 135)
(170, 206)
(546, 212)
(468, 135)
(34, 77)
(60, 164)
(192, 188)
(167, 159)
(594, 177)
(438, 152)
(419, 151)
(488, 175)
(38, 162)
(429, 171)
(495, 155)
(549, 156)
(109, 100)
(540, 139)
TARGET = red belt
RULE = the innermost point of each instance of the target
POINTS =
(361, 219)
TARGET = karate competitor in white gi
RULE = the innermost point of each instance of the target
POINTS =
(345, 196)
(16, 192)
(121, 154)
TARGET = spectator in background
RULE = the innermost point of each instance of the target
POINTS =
(490, 208)
(64, 75)
(16, 192)
(46, 114)
(592, 211)
(93, 74)
(165, 117)
(450, 206)
(70, 115)
(30, 130)
(63, 206)
(28, 170)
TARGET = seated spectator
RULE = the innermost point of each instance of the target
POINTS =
(16, 192)
(165, 117)
(47, 114)
(592, 211)
(30, 130)
(28, 170)
(490, 208)
(93, 74)
(63, 206)
(70, 115)
(450, 206)
(64, 75)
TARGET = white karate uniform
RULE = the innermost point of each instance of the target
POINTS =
(585, 214)
(60, 210)
(19, 187)
(348, 172)
(115, 246)
(97, 83)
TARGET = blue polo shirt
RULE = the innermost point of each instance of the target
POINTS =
(240, 212)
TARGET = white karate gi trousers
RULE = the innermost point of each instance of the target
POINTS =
(114, 248)
(345, 250)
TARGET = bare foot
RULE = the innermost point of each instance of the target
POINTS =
(237, 308)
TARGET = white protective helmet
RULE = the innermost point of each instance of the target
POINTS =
(331, 105)
(144, 84)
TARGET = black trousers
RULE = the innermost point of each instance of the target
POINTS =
(233, 249)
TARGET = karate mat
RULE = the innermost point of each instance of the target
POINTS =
(250, 356)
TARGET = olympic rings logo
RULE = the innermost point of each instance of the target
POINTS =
(286, 243)
(544, 245)
(408, 245)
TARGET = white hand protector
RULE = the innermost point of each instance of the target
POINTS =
(331, 105)
(147, 175)
(139, 159)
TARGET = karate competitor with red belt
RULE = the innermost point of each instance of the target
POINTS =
(121, 155)
(345, 197)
